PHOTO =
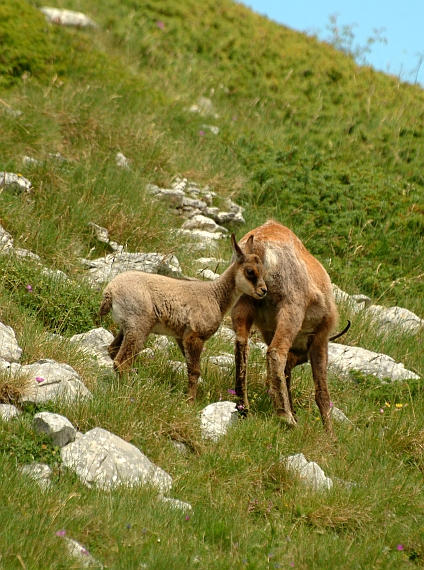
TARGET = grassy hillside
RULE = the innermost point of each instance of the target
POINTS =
(330, 149)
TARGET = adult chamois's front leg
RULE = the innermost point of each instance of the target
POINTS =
(288, 325)
(242, 319)
(192, 347)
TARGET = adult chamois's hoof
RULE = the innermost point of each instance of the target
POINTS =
(288, 418)
(242, 411)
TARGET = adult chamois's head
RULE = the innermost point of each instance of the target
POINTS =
(249, 270)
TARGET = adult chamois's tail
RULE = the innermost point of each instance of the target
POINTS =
(106, 305)
(338, 335)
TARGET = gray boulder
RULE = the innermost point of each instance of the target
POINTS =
(57, 427)
(103, 459)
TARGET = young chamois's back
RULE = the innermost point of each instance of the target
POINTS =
(295, 319)
(190, 311)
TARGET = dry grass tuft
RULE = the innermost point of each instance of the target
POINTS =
(339, 517)
(13, 387)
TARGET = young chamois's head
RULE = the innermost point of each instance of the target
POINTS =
(249, 270)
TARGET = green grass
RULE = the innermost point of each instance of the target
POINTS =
(328, 148)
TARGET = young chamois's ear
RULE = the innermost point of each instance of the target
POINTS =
(236, 249)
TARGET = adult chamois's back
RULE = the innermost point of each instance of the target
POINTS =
(189, 310)
(295, 319)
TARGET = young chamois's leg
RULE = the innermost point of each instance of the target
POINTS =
(192, 347)
(115, 345)
(131, 345)
(318, 355)
(242, 320)
(289, 323)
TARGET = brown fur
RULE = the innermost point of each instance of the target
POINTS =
(295, 319)
(190, 311)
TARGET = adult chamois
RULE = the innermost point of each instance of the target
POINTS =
(295, 319)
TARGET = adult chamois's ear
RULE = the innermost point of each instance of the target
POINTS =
(236, 248)
(249, 245)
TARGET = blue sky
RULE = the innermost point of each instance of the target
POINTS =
(403, 21)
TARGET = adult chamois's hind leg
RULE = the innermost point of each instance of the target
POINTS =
(242, 319)
(288, 325)
(318, 356)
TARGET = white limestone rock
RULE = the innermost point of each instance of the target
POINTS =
(342, 359)
(176, 504)
(161, 342)
(229, 217)
(14, 182)
(54, 274)
(95, 344)
(224, 360)
(26, 253)
(50, 380)
(212, 128)
(8, 412)
(174, 197)
(57, 427)
(104, 269)
(200, 222)
(29, 161)
(78, 551)
(103, 459)
(208, 274)
(204, 107)
(339, 417)
(216, 418)
(9, 348)
(226, 333)
(122, 161)
(309, 472)
(40, 472)
(67, 17)
(395, 318)
(6, 241)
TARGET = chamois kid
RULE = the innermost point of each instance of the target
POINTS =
(188, 310)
